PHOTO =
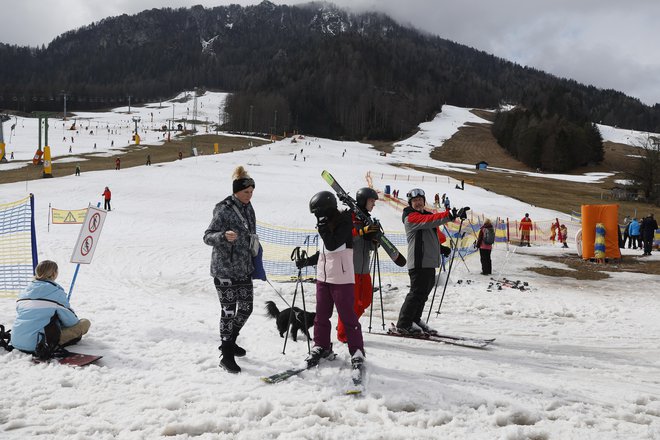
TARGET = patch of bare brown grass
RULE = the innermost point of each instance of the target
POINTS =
(135, 156)
(580, 269)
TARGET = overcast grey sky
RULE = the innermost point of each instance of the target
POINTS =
(610, 44)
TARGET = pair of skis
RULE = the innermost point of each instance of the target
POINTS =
(460, 341)
(523, 286)
(357, 374)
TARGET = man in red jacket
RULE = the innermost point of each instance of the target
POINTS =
(525, 227)
(424, 256)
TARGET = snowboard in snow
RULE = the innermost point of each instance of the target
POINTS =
(72, 359)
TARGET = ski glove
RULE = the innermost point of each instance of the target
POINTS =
(371, 229)
(445, 251)
(461, 213)
(303, 262)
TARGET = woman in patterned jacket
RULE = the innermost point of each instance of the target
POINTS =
(232, 233)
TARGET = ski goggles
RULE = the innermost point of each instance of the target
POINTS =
(416, 192)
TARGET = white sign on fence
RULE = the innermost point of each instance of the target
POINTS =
(89, 236)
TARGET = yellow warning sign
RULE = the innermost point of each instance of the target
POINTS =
(70, 217)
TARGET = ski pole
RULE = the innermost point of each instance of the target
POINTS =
(382, 309)
(296, 255)
(278, 293)
(472, 228)
(506, 258)
(444, 289)
(302, 294)
(451, 262)
(456, 245)
(373, 279)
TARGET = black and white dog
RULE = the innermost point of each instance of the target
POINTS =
(298, 320)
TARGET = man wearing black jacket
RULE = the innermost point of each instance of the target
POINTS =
(647, 232)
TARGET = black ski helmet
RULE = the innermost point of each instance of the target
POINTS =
(322, 204)
(364, 194)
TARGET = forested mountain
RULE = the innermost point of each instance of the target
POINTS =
(314, 68)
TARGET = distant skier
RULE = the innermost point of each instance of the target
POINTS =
(117, 164)
(107, 195)
(633, 231)
(148, 159)
(525, 227)
(649, 225)
(77, 169)
(626, 234)
(485, 241)
(563, 235)
(553, 232)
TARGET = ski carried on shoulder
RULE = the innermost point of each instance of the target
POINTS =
(284, 375)
(343, 196)
(461, 341)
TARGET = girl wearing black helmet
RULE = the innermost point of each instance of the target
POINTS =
(363, 245)
(334, 278)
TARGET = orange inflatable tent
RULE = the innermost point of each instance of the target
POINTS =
(608, 215)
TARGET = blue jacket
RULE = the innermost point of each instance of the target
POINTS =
(633, 228)
(34, 309)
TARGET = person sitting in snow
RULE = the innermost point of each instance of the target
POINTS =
(44, 318)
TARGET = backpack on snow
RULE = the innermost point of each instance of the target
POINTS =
(489, 236)
(5, 338)
(48, 342)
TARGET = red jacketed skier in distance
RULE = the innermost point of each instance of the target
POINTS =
(525, 227)
(107, 195)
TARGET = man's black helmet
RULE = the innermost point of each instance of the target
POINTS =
(364, 194)
(322, 204)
